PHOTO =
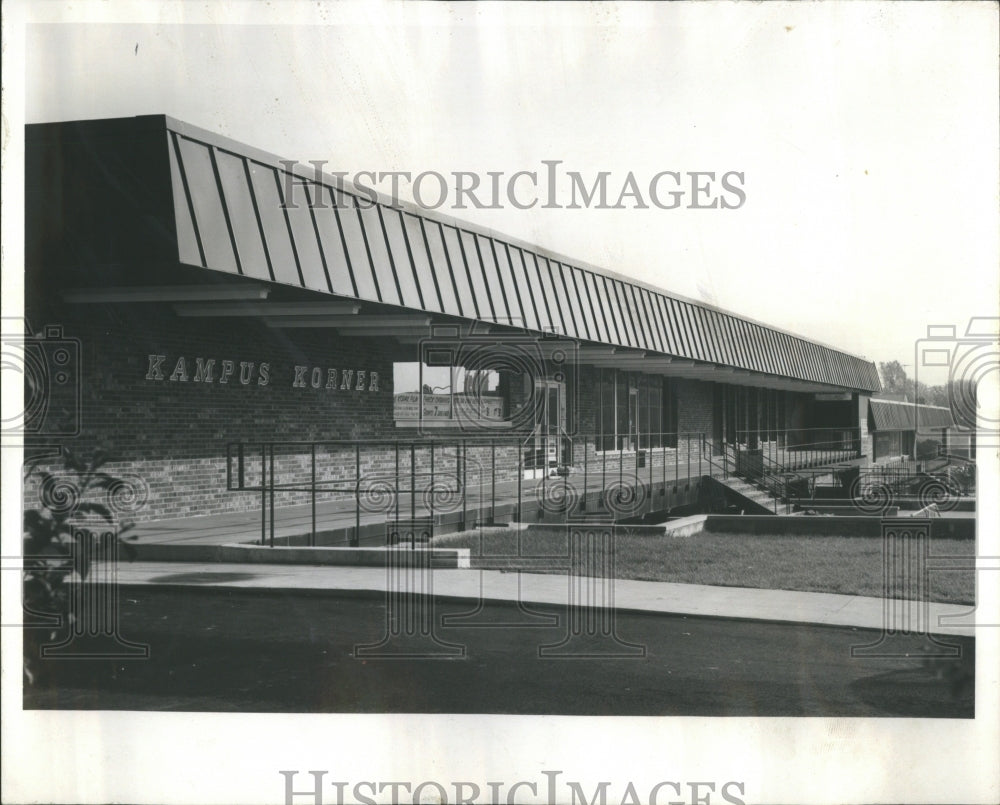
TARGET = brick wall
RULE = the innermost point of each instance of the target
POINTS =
(694, 406)
(167, 427)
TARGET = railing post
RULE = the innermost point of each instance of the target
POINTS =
(464, 484)
(357, 495)
(604, 474)
(272, 494)
(430, 488)
(493, 482)
(263, 493)
(312, 534)
(663, 461)
(649, 450)
(520, 476)
(621, 463)
(583, 499)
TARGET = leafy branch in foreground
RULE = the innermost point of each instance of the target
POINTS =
(62, 536)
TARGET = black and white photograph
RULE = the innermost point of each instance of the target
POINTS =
(501, 402)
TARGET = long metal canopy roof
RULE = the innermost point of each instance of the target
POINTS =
(228, 207)
(893, 415)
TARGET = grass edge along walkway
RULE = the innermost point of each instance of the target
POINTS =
(841, 565)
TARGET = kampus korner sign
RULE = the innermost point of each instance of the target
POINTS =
(246, 373)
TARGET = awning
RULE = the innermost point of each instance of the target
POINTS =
(177, 192)
(889, 415)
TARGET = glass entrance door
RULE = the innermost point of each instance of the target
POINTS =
(546, 444)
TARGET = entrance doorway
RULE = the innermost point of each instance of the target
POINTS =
(546, 447)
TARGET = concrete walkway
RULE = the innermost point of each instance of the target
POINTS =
(657, 597)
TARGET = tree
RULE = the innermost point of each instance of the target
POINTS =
(896, 382)
(894, 379)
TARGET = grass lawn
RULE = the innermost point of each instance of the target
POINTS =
(846, 565)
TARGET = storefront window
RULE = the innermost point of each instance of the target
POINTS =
(446, 394)
(636, 411)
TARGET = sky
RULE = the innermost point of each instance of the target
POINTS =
(866, 134)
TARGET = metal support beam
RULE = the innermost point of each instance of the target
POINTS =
(253, 308)
(166, 293)
(373, 324)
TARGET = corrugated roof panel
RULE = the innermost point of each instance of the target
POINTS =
(272, 218)
(639, 318)
(772, 349)
(615, 316)
(634, 325)
(354, 240)
(694, 328)
(331, 240)
(596, 317)
(437, 262)
(483, 293)
(371, 226)
(460, 273)
(677, 329)
(735, 342)
(209, 211)
(783, 354)
(401, 264)
(760, 344)
(715, 323)
(659, 342)
(730, 338)
(243, 216)
(709, 336)
(751, 343)
(558, 300)
(189, 248)
(585, 311)
(817, 362)
(684, 335)
(700, 350)
(609, 304)
(567, 299)
(808, 366)
(429, 281)
(497, 291)
(305, 244)
(531, 295)
(511, 292)
(548, 293)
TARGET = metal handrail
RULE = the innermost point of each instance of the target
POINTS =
(410, 477)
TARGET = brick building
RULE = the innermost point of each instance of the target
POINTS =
(222, 299)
